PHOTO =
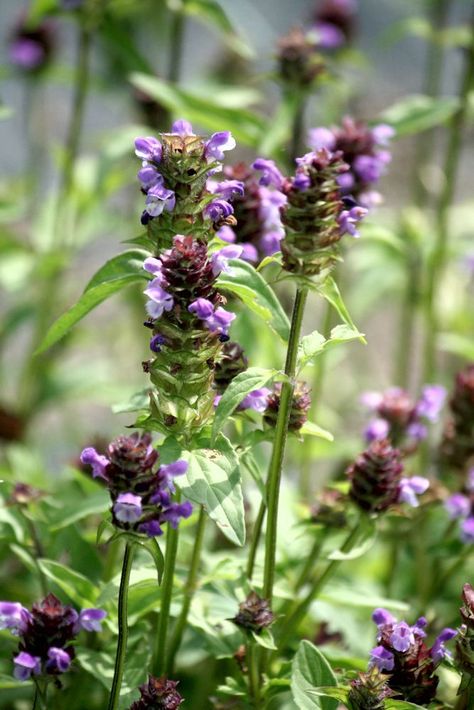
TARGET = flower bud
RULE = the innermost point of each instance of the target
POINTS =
(299, 62)
(158, 694)
(369, 691)
(300, 405)
(457, 448)
(254, 614)
(376, 477)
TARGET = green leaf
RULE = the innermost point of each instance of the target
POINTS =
(314, 344)
(154, 549)
(79, 589)
(104, 525)
(122, 270)
(213, 481)
(340, 694)
(244, 281)
(460, 345)
(365, 540)
(418, 113)
(265, 639)
(91, 505)
(312, 429)
(212, 13)
(8, 682)
(245, 382)
(138, 401)
(310, 670)
(207, 112)
(400, 705)
(330, 291)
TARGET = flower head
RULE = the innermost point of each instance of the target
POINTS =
(158, 694)
(217, 144)
(254, 614)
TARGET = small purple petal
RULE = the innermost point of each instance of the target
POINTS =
(128, 508)
(220, 321)
(25, 665)
(91, 619)
(382, 134)
(202, 308)
(229, 189)
(217, 144)
(256, 400)
(431, 402)
(13, 616)
(98, 462)
(381, 617)
(349, 218)
(177, 468)
(438, 651)
(321, 138)
(467, 530)
(270, 173)
(158, 199)
(249, 252)
(410, 488)
(371, 400)
(227, 234)
(402, 637)
(149, 177)
(160, 300)
(328, 36)
(182, 127)
(457, 506)
(59, 660)
(148, 149)
(152, 528)
(153, 265)
(382, 659)
(377, 429)
(220, 259)
(218, 209)
(156, 342)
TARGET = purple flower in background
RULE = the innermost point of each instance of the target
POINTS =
(26, 665)
(457, 506)
(220, 259)
(382, 659)
(91, 619)
(217, 144)
(249, 252)
(431, 402)
(160, 300)
(158, 199)
(26, 53)
(98, 462)
(369, 168)
(227, 234)
(382, 617)
(410, 488)
(377, 429)
(148, 149)
(256, 400)
(13, 616)
(467, 530)
(128, 508)
(301, 181)
(270, 173)
(183, 128)
(321, 138)
(438, 651)
(328, 36)
(202, 308)
(58, 660)
(228, 189)
(349, 218)
(402, 636)
(383, 133)
(218, 210)
(168, 471)
(270, 243)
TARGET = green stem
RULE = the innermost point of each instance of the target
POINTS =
(293, 619)
(122, 626)
(279, 444)
(251, 658)
(311, 559)
(176, 47)
(159, 658)
(256, 533)
(189, 590)
(436, 264)
(39, 552)
(465, 701)
(297, 128)
(40, 700)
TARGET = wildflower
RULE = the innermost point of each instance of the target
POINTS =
(412, 487)
(382, 659)
(31, 47)
(218, 210)
(271, 175)
(369, 691)
(148, 148)
(298, 59)
(334, 21)
(457, 447)
(159, 299)
(140, 490)
(158, 694)
(228, 189)
(467, 530)
(376, 477)
(217, 144)
(159, 198)
(300, 405)
(457, 506)
(46, 635)
(98, 462)
(254, 614)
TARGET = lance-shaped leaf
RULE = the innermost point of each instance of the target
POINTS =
(246, 283)
(78, 588)
(330, 291)
(123, 270)
(364, 541)
(414, 114)
(315, 343)
(310, 670)
(151, 545)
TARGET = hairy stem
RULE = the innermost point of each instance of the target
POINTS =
(122, 627)
(159, 657)
(279, 444)
(436, 264)
(189, 590)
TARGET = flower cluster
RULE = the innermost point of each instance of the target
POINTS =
(139, 489)
(461, 506)
(334, 23)
(174, 178)
(158, 694)
(258, 213)
(46, 634)
(376, 479)
(457, 448)
(299, 61)
(316, 215)
(465, 639)
(300, 405)
(31, 47)
(254, 614)
(402, 652)
(364, 149)
(401, 419)
(369, 691)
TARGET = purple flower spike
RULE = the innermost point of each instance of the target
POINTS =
(183, 128)
(91, 619)
(202, 308)
(160, 300)
(377, 429)
(270, 173)
(13, 616)
(383, 133)
(217, 144)
(158, 199)
(410, 488)
(402, 637)
(438, 651)
(59, 660)
(148, 149)
(381, 617)
(98, 462)
(321, 138)
(431, 402)
(467, 531)
(457, 506)
(128, 508)
(349, 218)
(218, 209)
(256, 400)
(220, 259)
(382, 659)
(25, 665)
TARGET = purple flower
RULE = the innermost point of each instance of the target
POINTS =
(59, 660)
(249, 252)
(25, 665)
(270, 242)
(13, 616)
(402, 636)
(220, 321)
(217, 144)
(431, 402)
(256, 400)
(228, 189)
(148, 149)
(467, 530)
(149, 177)
(417, 431)
(202, 308)
(91, 619)
(377, 429)
(182, 127)
(177, 511)
(382, 617)
(301, 181)
(369, 168)
(158, 199)
(98, 462)
(160, 300)
(227, 234)
(128, 508)
(382, 134)
(349, 218)
(270, 173)
(410, 488)
(218, 209)
(418, 628)
(153, 265)
(381, 659)
(470, 481)
(438, 651)
(220, 259)
(152, 528)
(371, 400)
(168, 471)
(457, 506)
(328, 36)
(26, 54)
(156, 342)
